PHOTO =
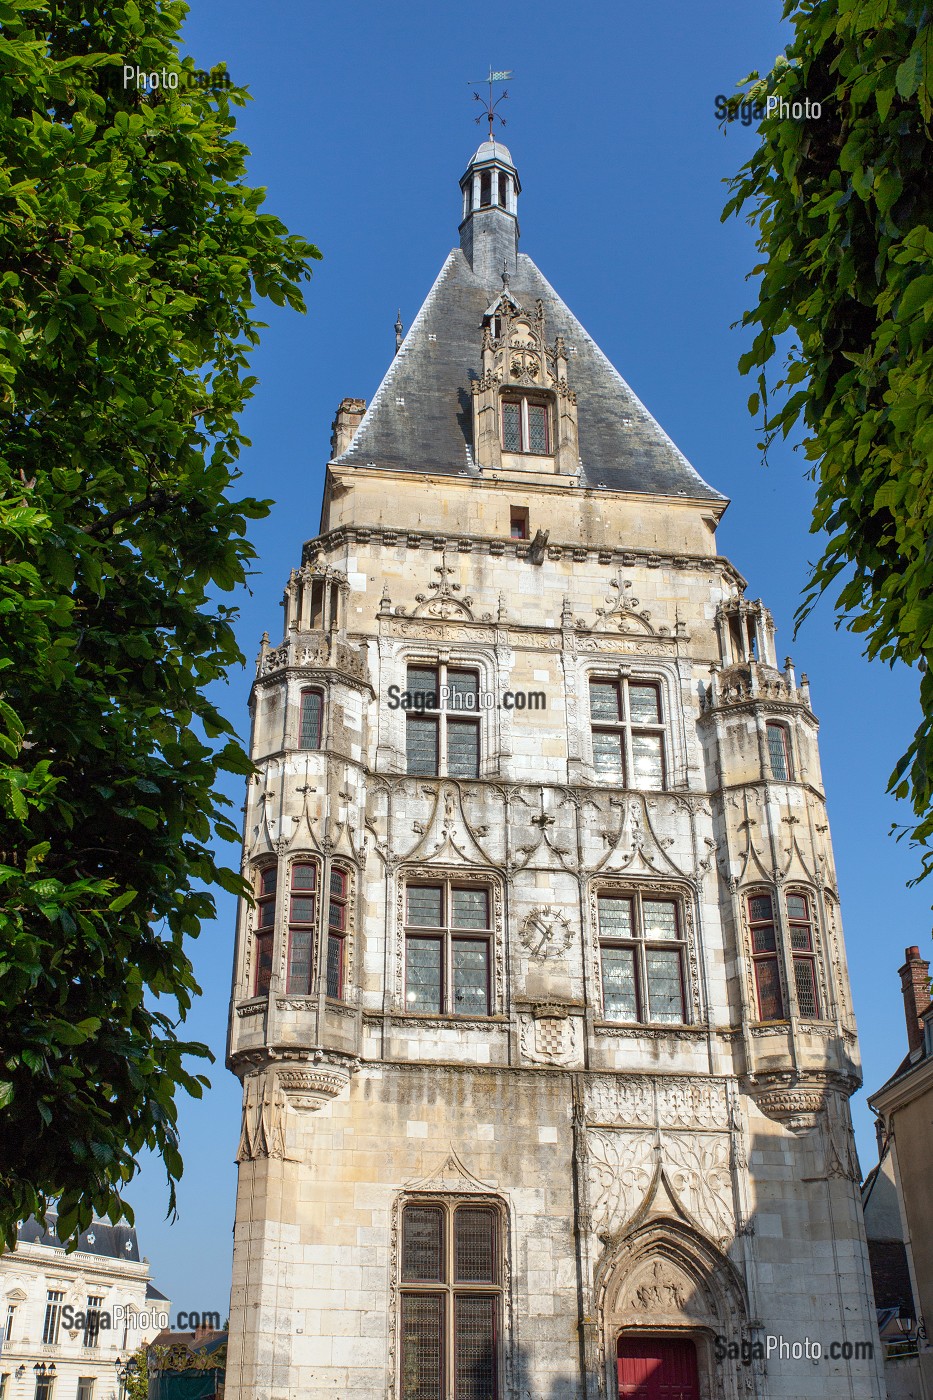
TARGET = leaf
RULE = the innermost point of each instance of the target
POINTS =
(910, 74)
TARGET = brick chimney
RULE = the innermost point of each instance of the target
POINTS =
(349, 416)
(915, 983)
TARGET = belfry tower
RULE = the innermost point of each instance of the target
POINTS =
(541, 1011)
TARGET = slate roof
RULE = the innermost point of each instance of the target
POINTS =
(622, 447)
(102, 1238)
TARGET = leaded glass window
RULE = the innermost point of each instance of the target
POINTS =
(764, 957)
(265, 928)
(451, 1301)
(302, 912)
(442, 723)
(312, 713)
(448, 971)
(803, 953)
(336, 931)
(526, 426)
(642, 957)
(628, 732)
(779, 752)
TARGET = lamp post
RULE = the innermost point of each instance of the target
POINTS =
(125, 1372)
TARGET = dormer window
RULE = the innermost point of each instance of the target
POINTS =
(525, 426)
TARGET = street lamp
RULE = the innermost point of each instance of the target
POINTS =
(125, 1372)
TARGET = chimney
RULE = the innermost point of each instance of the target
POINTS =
(915, 983)
(348, 419)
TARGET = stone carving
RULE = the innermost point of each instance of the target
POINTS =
(664, 1292)
(549, 1035)
(309, 1087)
(624, 611)
(263, 1128)
(622, 1167)
(545, 932)
(441, 600)
(630, 1168)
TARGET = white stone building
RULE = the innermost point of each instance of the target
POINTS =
(542, 1012)
(70, 1322)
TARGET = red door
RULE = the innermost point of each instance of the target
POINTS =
(657, 1368)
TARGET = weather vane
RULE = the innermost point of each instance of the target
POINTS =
(490, 113)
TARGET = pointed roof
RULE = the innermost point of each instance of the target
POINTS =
(421, 416)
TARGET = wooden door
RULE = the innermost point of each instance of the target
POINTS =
(658, 1368)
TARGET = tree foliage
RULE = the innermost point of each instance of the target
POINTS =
(132, 252)
(843, 208)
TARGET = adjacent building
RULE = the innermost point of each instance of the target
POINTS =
(541, 1008)
(69, 1322)
(903, 1276)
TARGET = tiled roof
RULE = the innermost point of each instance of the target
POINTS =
(421, 417)
(102, 1238)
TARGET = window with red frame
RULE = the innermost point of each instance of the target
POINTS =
(265, 928)
(312, 715)
(451, 1301)
(803, 953)
(765, 957)
(336, 932)
(302, 908)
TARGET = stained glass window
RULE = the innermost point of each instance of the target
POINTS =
(301, 923)
(446, 741)
(475, 1244)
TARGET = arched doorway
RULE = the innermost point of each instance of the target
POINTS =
(657, 1368)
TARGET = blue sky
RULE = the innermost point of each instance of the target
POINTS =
(361, 124)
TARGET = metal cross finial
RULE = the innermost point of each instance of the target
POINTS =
(490, 113)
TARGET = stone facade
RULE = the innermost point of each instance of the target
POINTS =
(650, 1121)
(49, 1348)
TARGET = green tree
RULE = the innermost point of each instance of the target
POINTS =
(132, 252)
(842, 203)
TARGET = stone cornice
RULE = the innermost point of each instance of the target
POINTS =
(495, 546)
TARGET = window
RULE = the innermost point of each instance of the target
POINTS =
(336, 932)
(4, 1382)
(525, 426)
(518, 523)
(8, 1325)
(485, 189)
(803, 956)
(312, 713)
(302, 911)
(765, 957)
(85, 1388)
(441, 738)
(44, 1386)
(641, 948)
(628, 733)
(779, 752)
(265, 928)
(503, 190)
(447, 949)
(451, 1301)
(92, 1322)
(53, 1317)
